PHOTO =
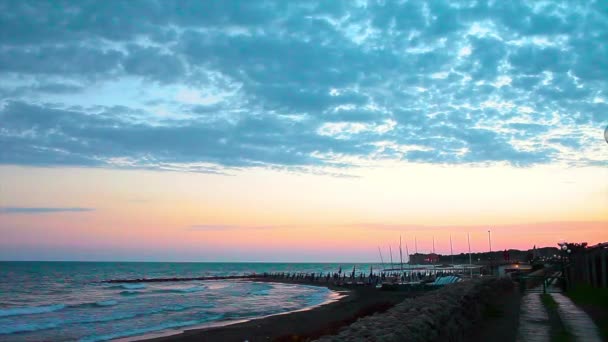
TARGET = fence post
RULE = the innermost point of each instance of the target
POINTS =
(604, 271)
(586, 268)
(594, 281)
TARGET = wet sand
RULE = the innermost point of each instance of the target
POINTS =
(301, 325)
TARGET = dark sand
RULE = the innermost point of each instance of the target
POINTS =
(301, 325)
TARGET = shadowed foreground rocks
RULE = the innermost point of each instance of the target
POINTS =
(446, 314)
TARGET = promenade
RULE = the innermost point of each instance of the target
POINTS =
(555, 314)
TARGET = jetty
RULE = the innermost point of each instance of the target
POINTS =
(416, 278)
(173, 279)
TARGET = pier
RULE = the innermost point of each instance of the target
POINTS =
(412, 278)
(162, 280)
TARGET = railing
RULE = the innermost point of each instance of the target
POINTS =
(532, 281)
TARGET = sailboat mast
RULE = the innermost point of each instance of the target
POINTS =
(470, 259)
(408, 259)
(381, 258)
(400, 253)
(390, 250)
(451, 250)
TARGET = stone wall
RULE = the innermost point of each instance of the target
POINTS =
(445, 314)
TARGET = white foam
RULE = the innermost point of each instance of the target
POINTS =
(135, 286)
(30, 310)
(17, 328)
(141, 331)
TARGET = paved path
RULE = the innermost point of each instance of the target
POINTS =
(534, 323)
(576, 321)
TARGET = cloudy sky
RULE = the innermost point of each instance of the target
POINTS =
(299, 130)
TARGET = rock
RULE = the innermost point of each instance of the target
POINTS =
(444, 314)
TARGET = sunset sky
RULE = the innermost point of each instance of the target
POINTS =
(299, 131)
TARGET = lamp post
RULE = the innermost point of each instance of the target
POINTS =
(490, 255)
(490, 239)
(564, 250)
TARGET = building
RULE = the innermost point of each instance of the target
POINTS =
(423, 259)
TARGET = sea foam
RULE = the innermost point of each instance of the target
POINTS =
(26, 327)
(146, 330)
(135, 286)
(106, 303)
(197, 288)
(30, 310)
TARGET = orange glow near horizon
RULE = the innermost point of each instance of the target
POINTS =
(271, 215)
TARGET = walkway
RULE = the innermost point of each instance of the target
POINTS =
(534, 323)
(576, 321)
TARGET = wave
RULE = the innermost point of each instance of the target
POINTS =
(260, 293)
(20, 328)
(316, 298)
(102, 303)
(260, 289)
(128, 286)
(129, 293)
(177, 308)
(184, 290)
(218, 286)
(155, 328)
(118, 317)
(238, 315)
(30, 310)
(29, 327)
(106, 303)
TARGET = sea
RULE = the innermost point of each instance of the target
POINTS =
(69, 301)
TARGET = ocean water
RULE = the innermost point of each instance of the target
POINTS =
(66, 301)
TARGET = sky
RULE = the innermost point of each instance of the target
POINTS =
(299, 130)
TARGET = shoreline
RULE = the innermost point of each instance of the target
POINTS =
(335, 296)
(303, 324)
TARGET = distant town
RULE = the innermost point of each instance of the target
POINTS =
(510, 255)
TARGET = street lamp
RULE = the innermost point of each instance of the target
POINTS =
(490, 255)
(565, 252)
(490, 239)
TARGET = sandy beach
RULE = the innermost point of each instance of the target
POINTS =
(301, 325)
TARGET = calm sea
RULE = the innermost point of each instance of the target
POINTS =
(65, 301)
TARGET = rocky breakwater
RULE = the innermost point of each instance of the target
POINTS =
(445, 314)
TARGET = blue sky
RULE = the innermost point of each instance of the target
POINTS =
(213, 86)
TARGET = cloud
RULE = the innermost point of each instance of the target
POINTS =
(152, 64)
(48, 136)
(42, 210)
(207, 87)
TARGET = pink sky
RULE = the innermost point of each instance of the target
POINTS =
(275, 216)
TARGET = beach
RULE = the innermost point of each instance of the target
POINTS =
(302, 325)
(109, 301)
(162, 303)
(454, 312)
